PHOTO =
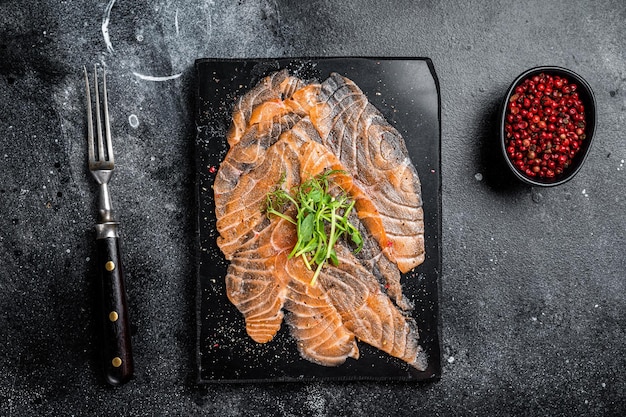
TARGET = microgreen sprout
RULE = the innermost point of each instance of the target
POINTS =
(321, 219)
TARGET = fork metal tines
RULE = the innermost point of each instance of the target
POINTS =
(101, 160)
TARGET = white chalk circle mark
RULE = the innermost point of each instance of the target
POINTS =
(133, 120)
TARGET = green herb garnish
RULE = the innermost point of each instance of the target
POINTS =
(321, 219)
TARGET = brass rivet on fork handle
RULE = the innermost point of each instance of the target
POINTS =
(114, 310)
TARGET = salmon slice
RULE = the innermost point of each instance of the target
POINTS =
(368, 312)
(314, 322)
(386, 272)
(285, 131)
(272, 88)
(249, 153)
(244, 207)
(375, 153)
(277, 95)
(256, 282)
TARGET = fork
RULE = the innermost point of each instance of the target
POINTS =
(117, 354)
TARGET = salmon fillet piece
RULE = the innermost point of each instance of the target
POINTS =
(285, 131)
(276, 95)
(255, 288)
(240, 213)
(368, 312)
(270, 89)
(321, 336)
(375, 153)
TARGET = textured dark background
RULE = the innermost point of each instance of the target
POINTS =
(533, 308)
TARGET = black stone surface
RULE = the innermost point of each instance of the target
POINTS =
(533, 281)
(406, 93)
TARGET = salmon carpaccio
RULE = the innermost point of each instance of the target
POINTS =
(284, 131)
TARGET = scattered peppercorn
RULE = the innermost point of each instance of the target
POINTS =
(544, 125)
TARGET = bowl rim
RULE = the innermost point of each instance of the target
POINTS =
(591, 127)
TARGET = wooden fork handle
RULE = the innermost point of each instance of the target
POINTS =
(117, 353)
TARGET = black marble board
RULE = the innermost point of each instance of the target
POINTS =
(406, 91)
